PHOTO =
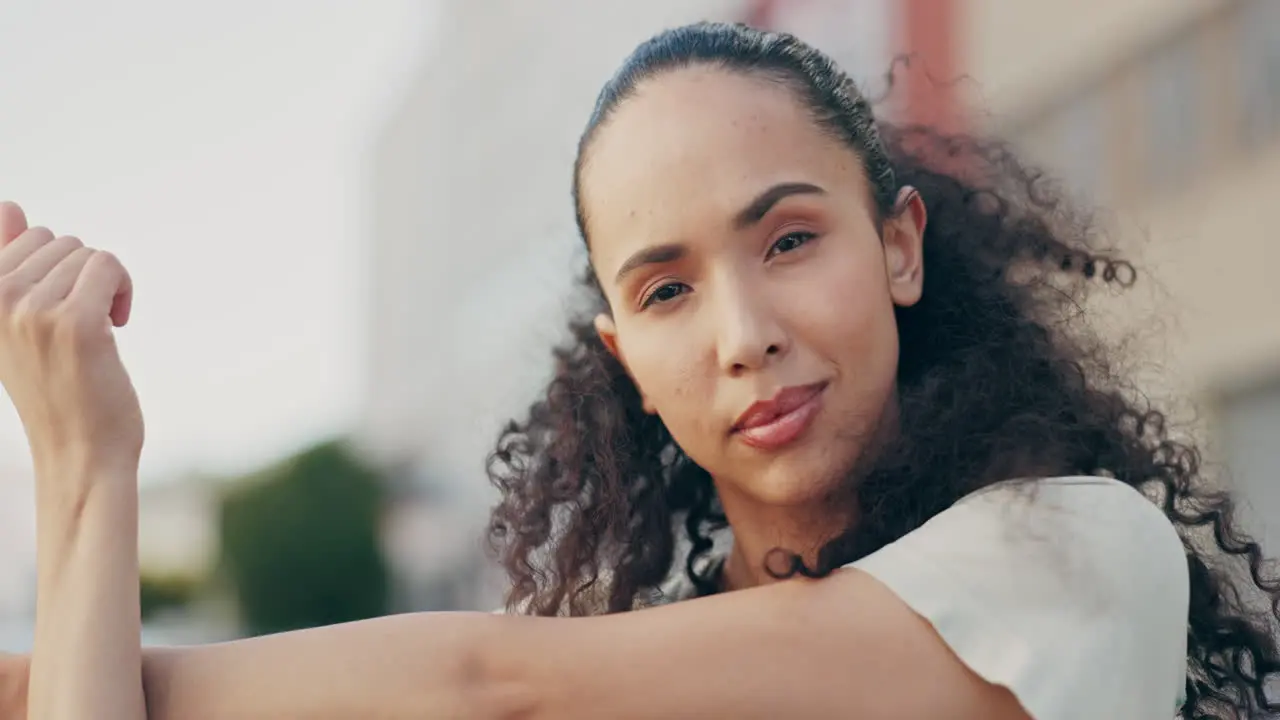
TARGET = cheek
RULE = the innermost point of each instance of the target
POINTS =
(845, 314)
(666, 369)
(675, 377)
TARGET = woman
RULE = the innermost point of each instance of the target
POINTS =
(863, 353)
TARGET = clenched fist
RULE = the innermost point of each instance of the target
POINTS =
(59, 301)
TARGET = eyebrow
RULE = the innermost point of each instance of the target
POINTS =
(656, 255)
(753, 213)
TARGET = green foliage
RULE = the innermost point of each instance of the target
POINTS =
(300, 542)
(172, 591)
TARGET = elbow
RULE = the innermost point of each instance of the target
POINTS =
(493, 685)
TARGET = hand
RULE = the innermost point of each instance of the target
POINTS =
(58, 357)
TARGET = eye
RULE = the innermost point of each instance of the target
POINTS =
(790, 241)
(664, 293)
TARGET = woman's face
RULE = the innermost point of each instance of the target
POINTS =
(752, 297)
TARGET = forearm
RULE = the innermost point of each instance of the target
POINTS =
(14, 672)
(86, 658)
(368, 669)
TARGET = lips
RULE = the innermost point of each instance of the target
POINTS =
(776, 422)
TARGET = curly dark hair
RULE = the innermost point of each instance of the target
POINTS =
(999, 377)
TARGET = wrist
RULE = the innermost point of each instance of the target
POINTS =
(85, 460)
(69, 492)
(86, 653)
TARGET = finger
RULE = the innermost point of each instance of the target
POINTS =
(46, 258)
(13, 222)
(104, 286)
(13, 254)
(57, 284)
(122, 302)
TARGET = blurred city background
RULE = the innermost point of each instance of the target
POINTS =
(350, 229)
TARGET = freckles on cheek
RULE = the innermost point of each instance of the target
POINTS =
(668, 374)
(689, 415)
(670, 377)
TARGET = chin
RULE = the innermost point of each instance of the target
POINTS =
(793, 482)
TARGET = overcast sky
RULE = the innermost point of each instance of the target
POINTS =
(220, 150)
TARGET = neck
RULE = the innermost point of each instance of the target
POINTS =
(760, 531)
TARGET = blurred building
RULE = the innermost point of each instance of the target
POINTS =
(178, 539)
(178, 526)
(1167, 114)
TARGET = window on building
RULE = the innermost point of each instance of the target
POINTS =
(1259, 70)
(1251, 441)
(1174, 101)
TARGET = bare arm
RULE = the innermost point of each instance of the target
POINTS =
(87, 652)
(840, 647)
(59, 365)
(406, 666)
(15, 670)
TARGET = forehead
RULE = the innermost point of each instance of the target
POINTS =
(699, 143)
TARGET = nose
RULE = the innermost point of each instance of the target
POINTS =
(749, 335)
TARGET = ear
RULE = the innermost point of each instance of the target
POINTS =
(608, 332)
(904, 247)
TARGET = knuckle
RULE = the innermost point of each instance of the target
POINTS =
(108, 264)
(109, 260)
(82, 252)
(64, 325)
(77, 330)
(11, 293)
(30, 321)
(104, 261)
(33, 316)
(40, 234)
(71, 242)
